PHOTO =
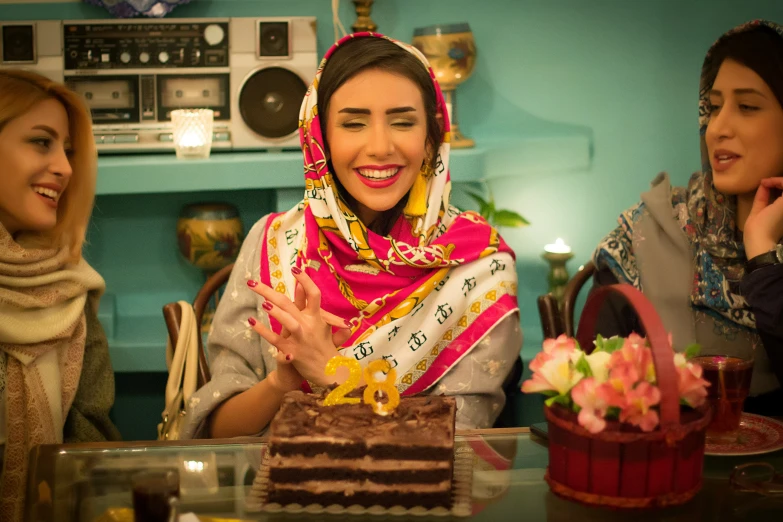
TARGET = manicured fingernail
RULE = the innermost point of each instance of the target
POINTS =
(348, 323)
(288, 357)
(251, 321)
(267, 306)
(251, 283)
(296, 270)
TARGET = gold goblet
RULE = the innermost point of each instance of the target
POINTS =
(363, 21)
(451, 52)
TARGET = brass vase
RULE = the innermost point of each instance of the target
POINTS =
(209, 236)
(451, 52)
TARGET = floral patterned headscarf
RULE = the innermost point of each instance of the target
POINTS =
(421, 297)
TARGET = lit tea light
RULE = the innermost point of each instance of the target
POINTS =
(558, 247)
(192, 138)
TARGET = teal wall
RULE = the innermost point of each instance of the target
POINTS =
(623, 72)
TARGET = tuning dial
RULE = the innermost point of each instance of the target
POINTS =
(144, 57)
(163, 56)
(125, 57)
(213, 34)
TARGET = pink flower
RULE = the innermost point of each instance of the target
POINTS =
(692, 388)
(539, 360)
(591, 397)
(636, 353)
(555, 374)
(553, 348)
(562, 344)
(638, 410)
(622, 379)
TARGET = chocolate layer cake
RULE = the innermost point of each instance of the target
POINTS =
(346, 454)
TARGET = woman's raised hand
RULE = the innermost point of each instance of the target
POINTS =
(764, 226)
(306, 340)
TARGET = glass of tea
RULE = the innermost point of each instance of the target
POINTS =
(729, 378)
(155, 496)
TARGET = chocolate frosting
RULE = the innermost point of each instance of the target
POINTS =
(425, 420)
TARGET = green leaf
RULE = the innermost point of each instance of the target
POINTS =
(583, 367)
(563, 400)
(486, 208)
(612, 412)
(478, 199)
(599, 343)
(489, 212)
(509, 218)
(692, 350)
(613, 344)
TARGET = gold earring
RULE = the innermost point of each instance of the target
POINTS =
(417, 197)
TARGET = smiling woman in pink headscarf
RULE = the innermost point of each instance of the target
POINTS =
(373, 263)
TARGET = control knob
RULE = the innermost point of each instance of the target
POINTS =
(213, 34)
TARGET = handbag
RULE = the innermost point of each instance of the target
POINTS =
(182, 364)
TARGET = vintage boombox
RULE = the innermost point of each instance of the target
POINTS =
(252, 72)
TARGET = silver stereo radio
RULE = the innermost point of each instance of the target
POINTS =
(252, 72)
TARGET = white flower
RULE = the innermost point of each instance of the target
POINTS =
(234, 294)
(215, 394)
(679, 360)
(599, 365)
(194, 402)
(272, 350)
(556, 374)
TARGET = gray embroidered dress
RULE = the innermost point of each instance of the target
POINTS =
(240, 358)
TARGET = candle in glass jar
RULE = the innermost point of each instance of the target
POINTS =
(192, 138)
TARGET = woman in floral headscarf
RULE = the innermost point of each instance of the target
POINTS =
(374, 250)
(708, 255)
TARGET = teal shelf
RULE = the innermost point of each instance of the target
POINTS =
(162, 173)
(138, 344)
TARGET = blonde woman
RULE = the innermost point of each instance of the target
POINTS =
(56, 380)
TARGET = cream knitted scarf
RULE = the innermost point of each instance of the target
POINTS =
(42, 334)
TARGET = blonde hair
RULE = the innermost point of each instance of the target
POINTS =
(20, 91)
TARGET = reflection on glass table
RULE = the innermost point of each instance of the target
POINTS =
(82, 483)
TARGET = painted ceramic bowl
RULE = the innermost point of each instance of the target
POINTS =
(209, 235)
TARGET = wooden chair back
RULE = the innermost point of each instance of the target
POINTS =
(173, 317)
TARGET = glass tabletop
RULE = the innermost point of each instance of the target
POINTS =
(82, 483)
